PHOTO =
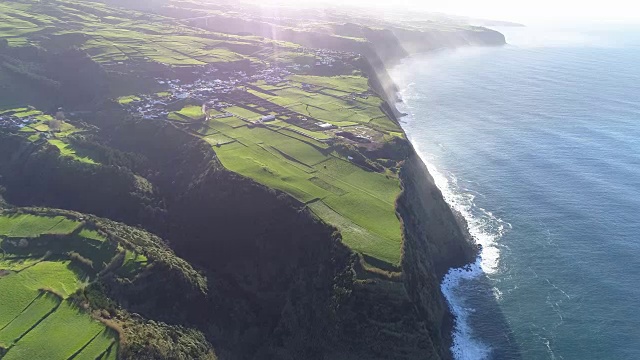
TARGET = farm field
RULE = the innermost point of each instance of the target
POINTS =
(39, 126)
(248, 114)
(44, 260)
(187, 113)
(131, 41)
(330, 104)
(69, 151)
(360, 202)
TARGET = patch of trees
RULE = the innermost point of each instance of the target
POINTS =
(348, 150)
(36, 174)
(30, 72)
(107, 155)
(68, 75)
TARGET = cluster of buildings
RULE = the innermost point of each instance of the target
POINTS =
(324, 57)
(207, 89)
(218, 89)
(10, 121)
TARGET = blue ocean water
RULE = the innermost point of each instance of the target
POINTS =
(538, 145)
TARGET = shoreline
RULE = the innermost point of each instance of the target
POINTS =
(464, 286)
(460, 267)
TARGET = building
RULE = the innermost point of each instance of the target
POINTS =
(325, 126)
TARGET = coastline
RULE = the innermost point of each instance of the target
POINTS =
(464, 285)
(438, 248)
(435, 241)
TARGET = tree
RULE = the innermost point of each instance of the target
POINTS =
(55, 124)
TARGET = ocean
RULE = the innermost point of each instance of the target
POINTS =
(537, 144)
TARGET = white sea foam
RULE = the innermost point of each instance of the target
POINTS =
(465, 345)
(486, 229)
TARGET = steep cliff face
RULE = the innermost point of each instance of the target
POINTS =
(435, 240)
(387, 47)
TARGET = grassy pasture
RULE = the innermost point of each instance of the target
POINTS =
(70, 151)
(27, 113)
(218, 139)
(335, 110)
(19, 289)
(60, 276)
(36, 321)
(91, 234)
(14, 298)
(98, 346)
(347, 84)
(233, 121)
(192, 112)
(309, 136)
(269, 169)
(12, 263)
(357, 237)
(132, 263)
(42, 305)
(26, 225)
(125, 100)
(242, 112)
(300, 151)
(58, 336)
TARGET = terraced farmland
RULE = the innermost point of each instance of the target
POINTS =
(43, 261)
(134, 39)
(332, 105)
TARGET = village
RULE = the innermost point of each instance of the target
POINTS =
(11, 121)
(216, 90)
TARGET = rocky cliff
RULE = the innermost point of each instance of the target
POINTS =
(435, 240)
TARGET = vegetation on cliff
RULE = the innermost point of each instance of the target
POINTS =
(64, 287)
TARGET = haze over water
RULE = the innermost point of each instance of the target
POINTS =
(538, 144)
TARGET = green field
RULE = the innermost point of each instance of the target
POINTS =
(70, 151)
(359, 201)
(125, 100)
(187, 113)
(39, 270)
(59, 336)
(26, 225)
(242, 112)
(19, 23)
(327, 106)
(347, 84)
